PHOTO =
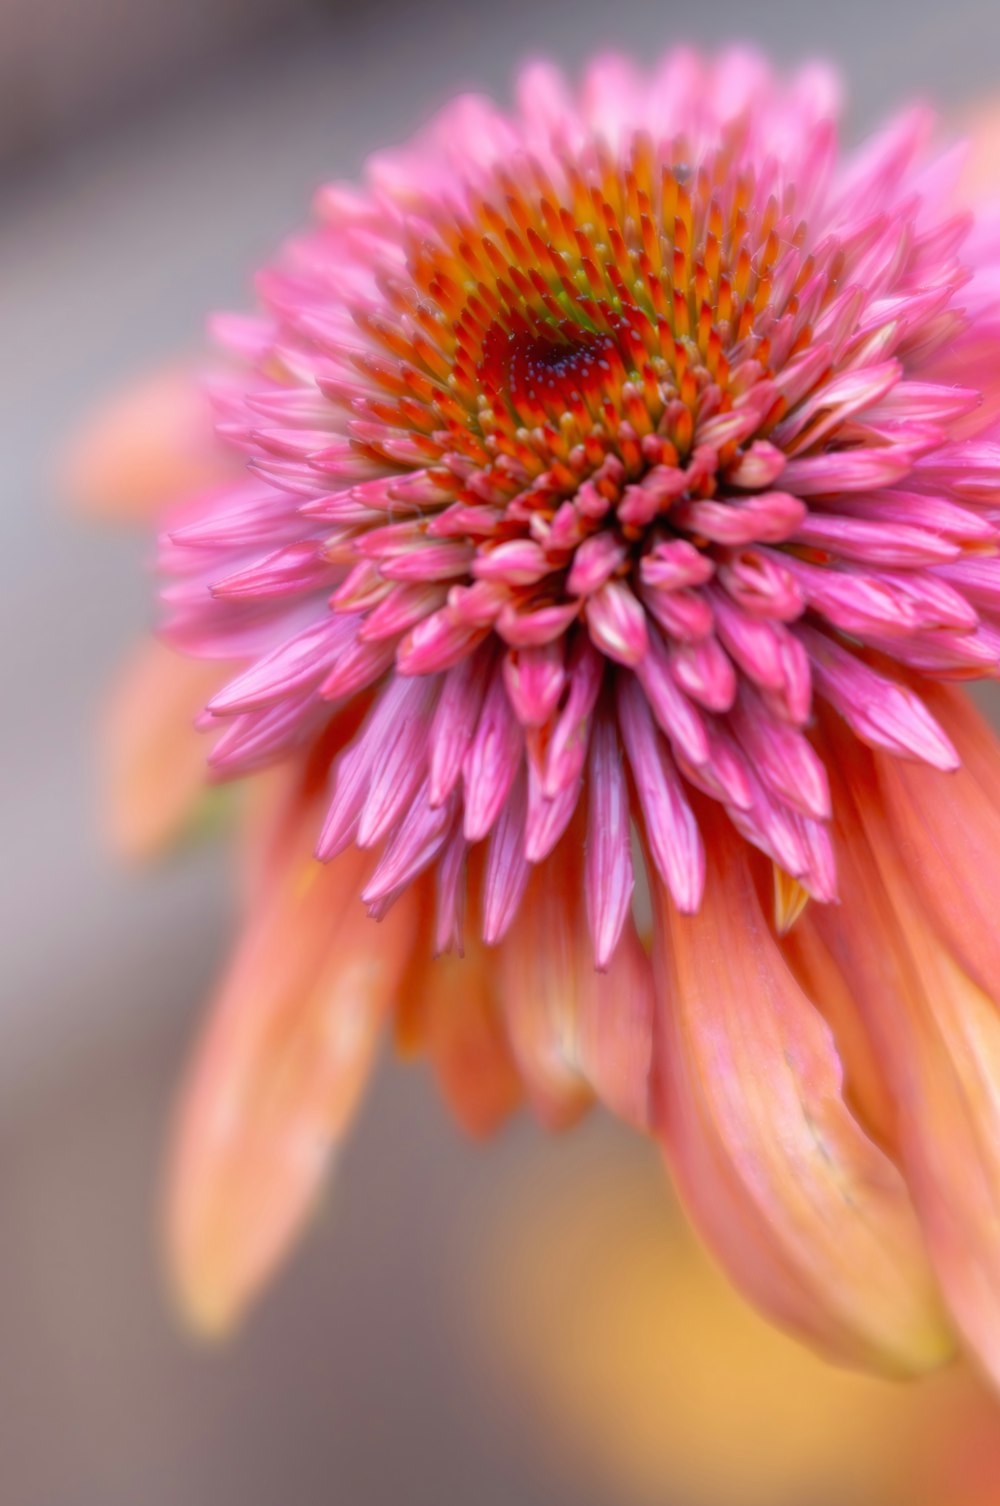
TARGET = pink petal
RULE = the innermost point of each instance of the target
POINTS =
(570, 736)
(670, 827)
(398, 765)
(296, 663)
(492, 760)
(781, 756)
(455, 721)
(766, 517)
(608, 874)
(507, 868)
(880, 711)
(617, 623)
(857, 470)
(681, 721)
(705, 672)
(535, 679)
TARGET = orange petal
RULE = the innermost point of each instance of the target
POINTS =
(536, 977)
(269, 834)
(805, 1211)
(980, 179)
(155, 760)
(467, 1042)
(286, 1052)
(947, 829)
(145, 449)
(938, 1036)
(866, 1091)
(574, 1031)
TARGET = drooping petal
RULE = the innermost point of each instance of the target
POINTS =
(866, 1087)
(491, 761)
(672, 833)
(805, 1211)
(575, 1031)
(156, 760)
(937, 1035)
(608, 879)
(286, 1051)
(467, 1042)
(948, 832)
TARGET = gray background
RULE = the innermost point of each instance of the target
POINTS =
(150, 155)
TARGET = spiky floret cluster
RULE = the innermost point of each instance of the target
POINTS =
(587, 448)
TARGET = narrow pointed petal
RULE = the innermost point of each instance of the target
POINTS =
(672, 834)
(354, 768)
(608, 873)
(507, 868)
(678, 718)
(397, 769)
(705, 672)
(856, 470)
(415, 844)
(767, 517)
(874, 543)
(358, 665)
(295, 664)
(783, 758)
(288, 571)
(455, 719)
(491, 761)
(769, 654)
(548, 815)
(882, 712)
(437, 642)
(567, 749)
(450, 895)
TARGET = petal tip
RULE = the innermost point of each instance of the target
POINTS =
(790, 899)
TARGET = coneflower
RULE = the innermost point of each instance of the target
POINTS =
(614, 496)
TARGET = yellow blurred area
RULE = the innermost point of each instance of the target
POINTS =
(650, 1370)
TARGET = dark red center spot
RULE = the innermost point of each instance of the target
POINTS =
(542, 370)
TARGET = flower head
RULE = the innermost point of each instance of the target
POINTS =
(623, 465)
(595, 441)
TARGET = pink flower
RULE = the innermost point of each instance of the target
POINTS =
(623, 466)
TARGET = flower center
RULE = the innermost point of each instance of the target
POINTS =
(588, 324)
(543, 371)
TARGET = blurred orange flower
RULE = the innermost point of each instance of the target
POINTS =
(639, 1365)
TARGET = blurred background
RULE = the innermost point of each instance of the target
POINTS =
(527, 1322)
